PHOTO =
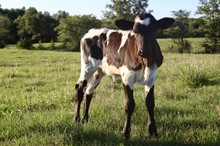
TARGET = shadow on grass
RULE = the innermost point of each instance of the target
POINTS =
(77, 135)
(80, 134)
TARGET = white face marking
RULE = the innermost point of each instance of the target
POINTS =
(146, 21)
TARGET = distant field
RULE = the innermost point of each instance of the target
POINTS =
(165, 44)
(36, 102)
(196, 44)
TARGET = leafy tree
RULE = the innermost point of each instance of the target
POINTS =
(195, 27)
(25, 43)
(36, 26)
(71, 29)
(48, 25)
(126, 9)
(5, 30)
(28, 24)
(60, 15)
(210, 12)
(12, 14)
(180, 30)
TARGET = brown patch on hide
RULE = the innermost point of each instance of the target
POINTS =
(111, 50)
(126, 55)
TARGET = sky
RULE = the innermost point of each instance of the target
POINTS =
(161, 8)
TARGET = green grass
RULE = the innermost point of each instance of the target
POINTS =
(196, 44)
(36, 102)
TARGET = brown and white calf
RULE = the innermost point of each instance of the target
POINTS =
(131, 52)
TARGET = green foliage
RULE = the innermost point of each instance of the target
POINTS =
(211, 14)
(36, 103)
(181, 46)
(40, 46)
(195, 27)
(5, 29)
(180, 30)
(36, 26)
(168, 45)
(25, 43)
(123, 9)
(194, 76)
(71, 29)
(17, 24)
(12, 14)
(2, 44)
(60, 15)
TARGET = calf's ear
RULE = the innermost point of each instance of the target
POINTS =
(165, 23)
(124, 24)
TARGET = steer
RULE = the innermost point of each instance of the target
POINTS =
(131, 52)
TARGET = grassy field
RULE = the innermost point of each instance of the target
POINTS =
(36, 102)
(196, 44)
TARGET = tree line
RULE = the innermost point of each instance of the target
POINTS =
(27, 26)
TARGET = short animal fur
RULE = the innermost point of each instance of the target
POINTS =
(132, 53)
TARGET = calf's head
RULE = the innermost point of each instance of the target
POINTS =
(144, 26)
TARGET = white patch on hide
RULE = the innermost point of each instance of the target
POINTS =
(87, 69)
(94, 82)
(109, 69)
(150, 76)
(124, 38)
(128, 76)
(95, 32)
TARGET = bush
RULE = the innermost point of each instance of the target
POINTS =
(25, 43)
(72, 46)
(211, 48)
(52, 46)
(194, 76)
(2, 44)
(40, 46)
(181, 46)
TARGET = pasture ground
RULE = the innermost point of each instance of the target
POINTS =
(36, 102)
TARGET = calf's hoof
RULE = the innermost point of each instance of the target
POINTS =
(152, 130)
(126, 133)
(126, 136)
(77, 118)
(85, 119)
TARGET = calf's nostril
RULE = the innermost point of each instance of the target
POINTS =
(141, 53)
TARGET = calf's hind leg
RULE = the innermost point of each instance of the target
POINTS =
(80, 87)
(78, 98)
(93, 83)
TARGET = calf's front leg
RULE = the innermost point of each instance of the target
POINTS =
(129, 108)
(150, 107)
